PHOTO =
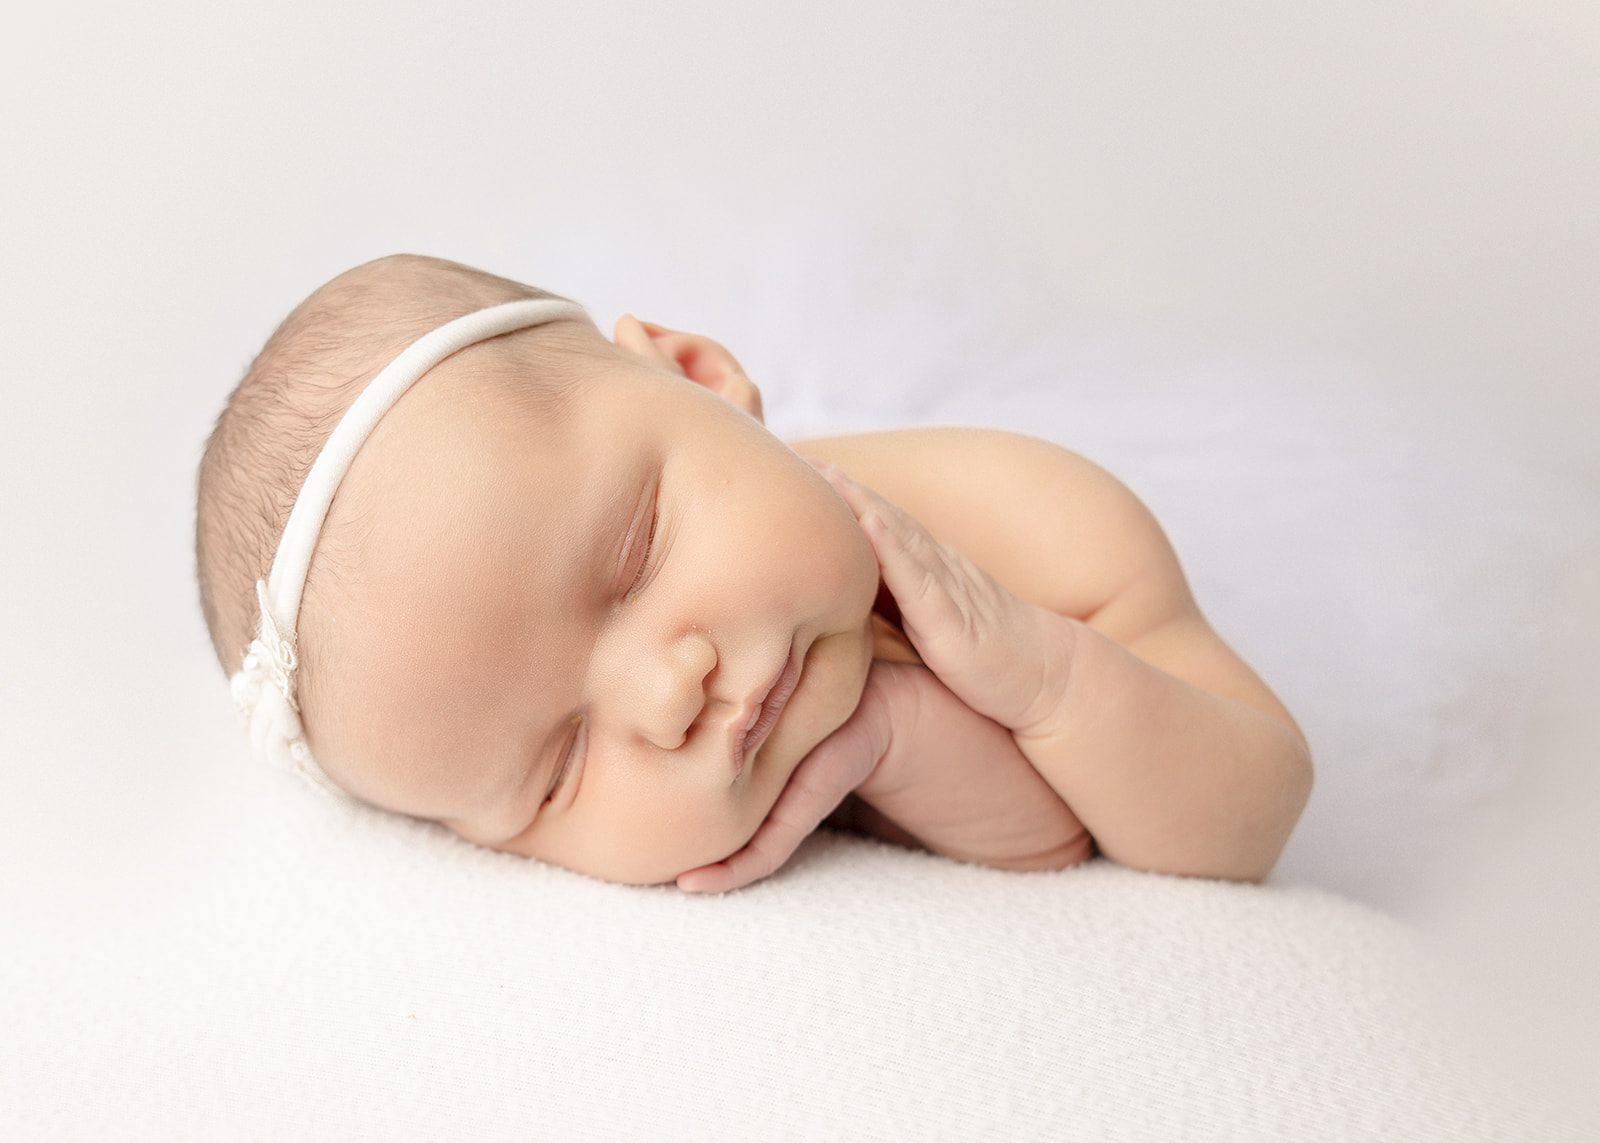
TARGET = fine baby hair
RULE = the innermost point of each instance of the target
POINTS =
(265, 684)
(288, 434)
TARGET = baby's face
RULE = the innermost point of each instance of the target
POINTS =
(603, 637)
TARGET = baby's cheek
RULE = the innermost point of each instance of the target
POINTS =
(830, 689)
(650, 835)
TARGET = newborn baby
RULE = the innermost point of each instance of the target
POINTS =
(570, 598)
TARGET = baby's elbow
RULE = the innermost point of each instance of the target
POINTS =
(1248, 850)
(1298, 776)
(1292, 777)
(1301, 778)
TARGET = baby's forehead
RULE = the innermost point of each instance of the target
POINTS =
(496, 426)
(453, 501)
(471, 456)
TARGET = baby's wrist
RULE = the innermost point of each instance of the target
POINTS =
(1043, 713)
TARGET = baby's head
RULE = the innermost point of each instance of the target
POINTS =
(571, 598)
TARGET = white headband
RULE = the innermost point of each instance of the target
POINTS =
(264, 687)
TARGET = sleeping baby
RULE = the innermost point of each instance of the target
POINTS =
(468, 560)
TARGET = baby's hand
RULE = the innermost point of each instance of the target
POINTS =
(934, 772)
(1007, 659)
(822, 780)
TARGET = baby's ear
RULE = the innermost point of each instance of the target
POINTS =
(698, 358)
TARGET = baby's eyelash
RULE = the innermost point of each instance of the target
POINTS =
(649, 553)
(568, 756)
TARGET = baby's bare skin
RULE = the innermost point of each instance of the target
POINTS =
(623, 628)
(1043, 595)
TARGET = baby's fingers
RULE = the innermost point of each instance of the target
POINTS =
(948, 605)
(916, 568)
(985, 644)
(867, 504)
(819, 783)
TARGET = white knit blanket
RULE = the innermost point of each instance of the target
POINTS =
(332, 974)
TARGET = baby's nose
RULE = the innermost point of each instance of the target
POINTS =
(672, 690)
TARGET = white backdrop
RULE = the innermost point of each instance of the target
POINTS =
(1196, 241)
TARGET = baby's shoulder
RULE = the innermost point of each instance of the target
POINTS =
(925, 448)
(934, 470)
(1051, 525)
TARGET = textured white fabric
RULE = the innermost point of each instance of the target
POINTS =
(335, 974)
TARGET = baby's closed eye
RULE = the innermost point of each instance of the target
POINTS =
(567, 760)
(639, 545)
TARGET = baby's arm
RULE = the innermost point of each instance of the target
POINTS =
(951, 780)
(928, 770)
(1166, 746)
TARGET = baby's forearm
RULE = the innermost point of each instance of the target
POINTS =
(1167, 774)
(956, 782)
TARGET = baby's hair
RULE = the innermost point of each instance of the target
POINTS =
(281, 414)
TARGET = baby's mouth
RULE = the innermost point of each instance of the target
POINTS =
(748, 739)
